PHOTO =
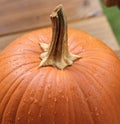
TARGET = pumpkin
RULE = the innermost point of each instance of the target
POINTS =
(59, 76)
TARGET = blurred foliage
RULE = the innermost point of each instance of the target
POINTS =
(113, 16)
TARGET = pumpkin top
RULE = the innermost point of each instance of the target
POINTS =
(87, 91)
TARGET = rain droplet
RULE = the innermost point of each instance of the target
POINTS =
(29, 112)
(8, 113)
(97, 114)
(63, 96)
(95, 108)
(35, 101)
(18, 118)
(49, 96)
(55, 113)
(55, 100)
(40, 115)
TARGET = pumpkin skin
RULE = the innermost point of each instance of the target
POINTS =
(87, 92)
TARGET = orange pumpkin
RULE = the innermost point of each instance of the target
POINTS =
(73, 79)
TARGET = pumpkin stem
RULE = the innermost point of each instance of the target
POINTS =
(57, 53)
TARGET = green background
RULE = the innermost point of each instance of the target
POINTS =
(113, 16)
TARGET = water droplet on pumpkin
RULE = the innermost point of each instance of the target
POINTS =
(97, 114)
(29, 112)
(63, 96)
(18, 118)
(95, 108)
(40, 115)
(55, 113)
(55, 100)
(8, 113)
(49, 96)
(35, 101)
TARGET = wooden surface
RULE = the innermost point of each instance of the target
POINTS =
(100, 28)
(88, 25)
(21, 16)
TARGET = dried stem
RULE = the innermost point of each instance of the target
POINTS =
(57, 53)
